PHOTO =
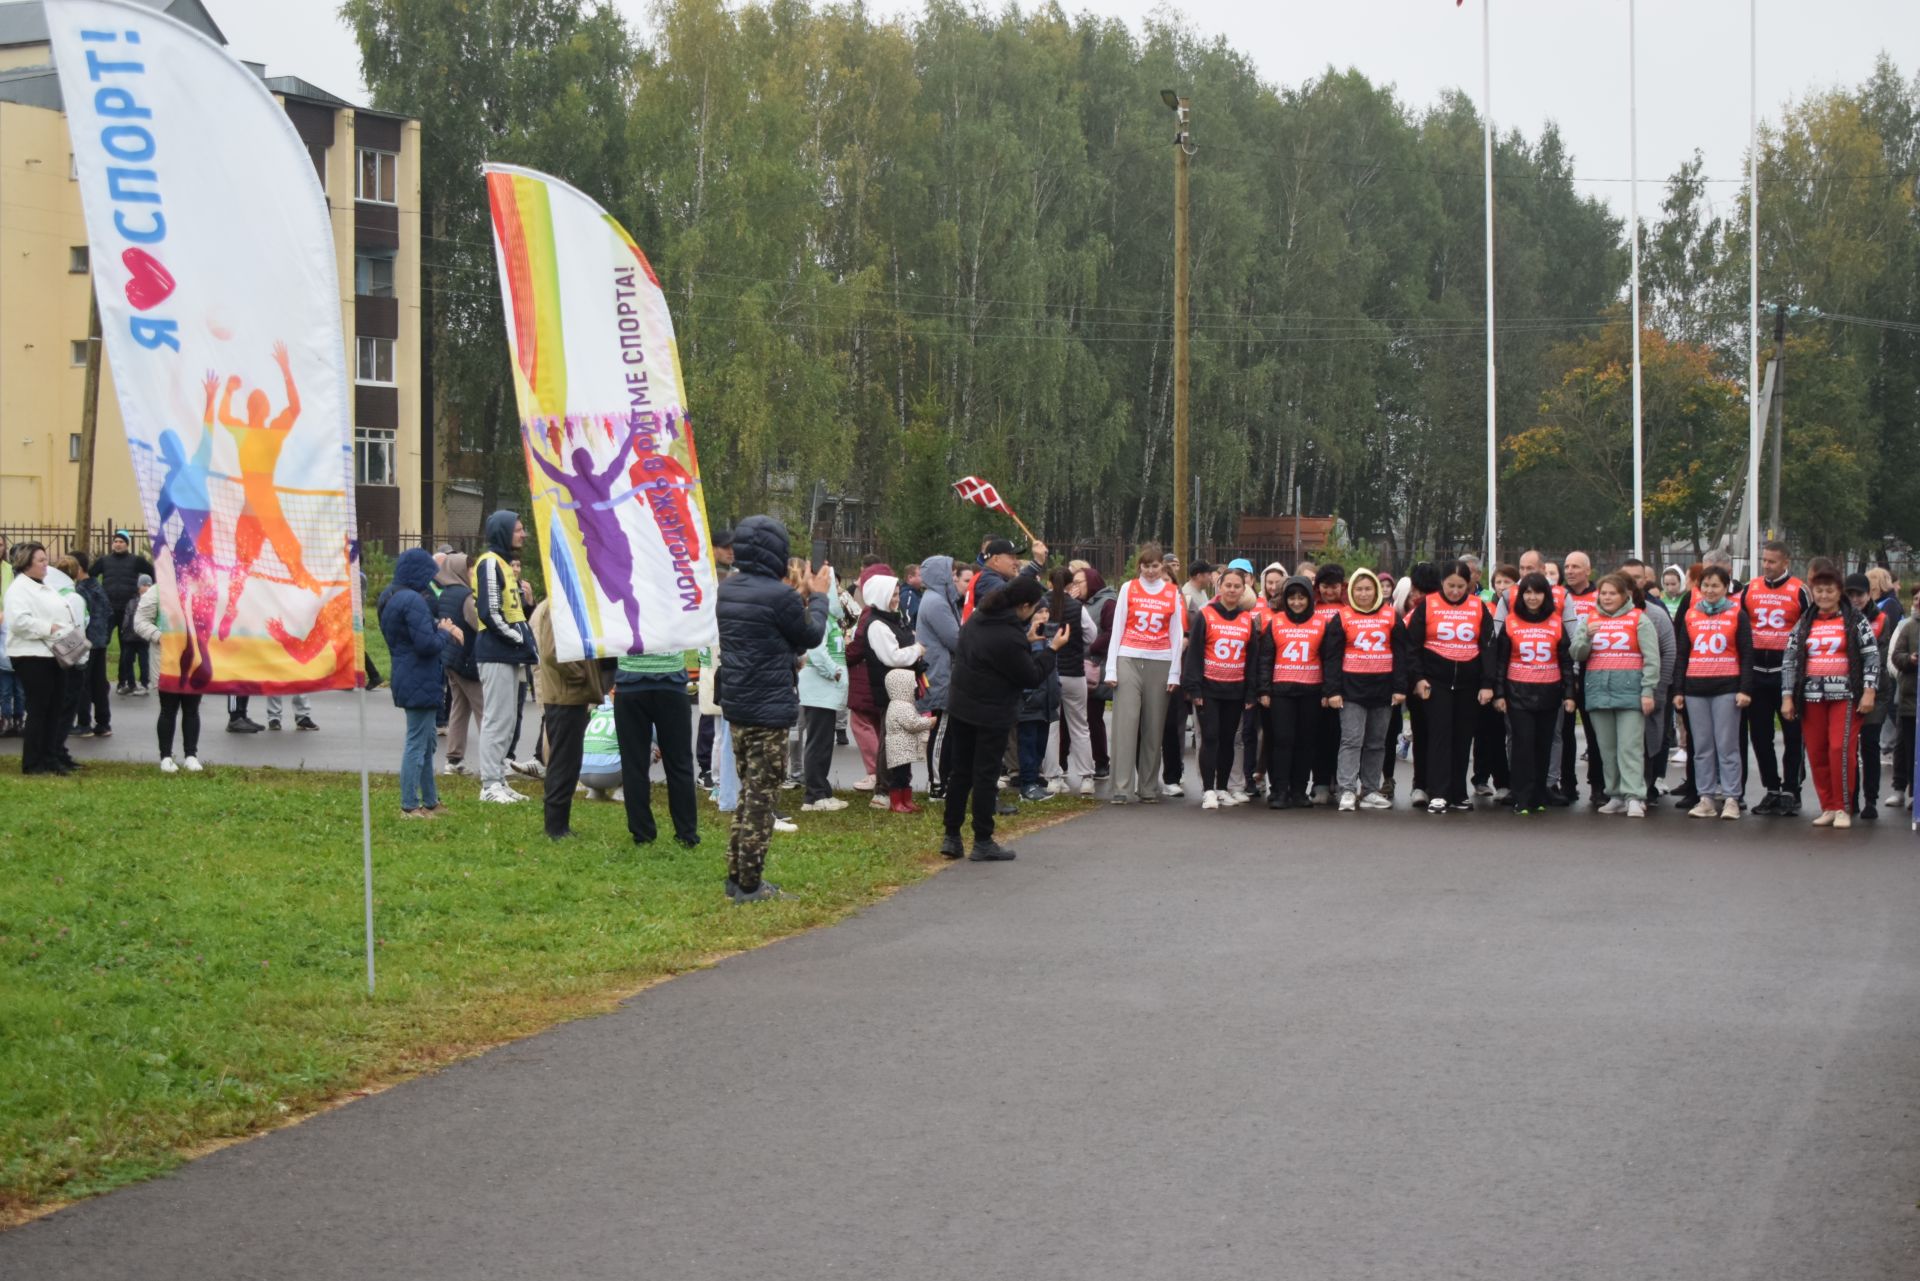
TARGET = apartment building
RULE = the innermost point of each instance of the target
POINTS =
(369, 166)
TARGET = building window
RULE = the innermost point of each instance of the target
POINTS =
(73, 447)
(372, 456)
(77, 352)
(79, 261)
(373, 275)
(375, 361)
(377, 177)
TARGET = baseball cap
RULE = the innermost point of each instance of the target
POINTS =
(999, 547)
(1241, 563)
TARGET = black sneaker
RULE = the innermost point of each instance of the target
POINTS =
(1035, 793)
(950, 846)
(1005, 808)
(690, 842)
(1557, 800)
(102, 732)
(989, 852)
(1100, 775)
(765, 892)
(706, 779)
(1461, 807)
(1868, 814)
(1279, 801)
(243, 725)
(273, 723)
(840, 737)
(304, 722)
(1769, 805)
(1789, 806)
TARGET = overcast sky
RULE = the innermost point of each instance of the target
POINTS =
(1560, 60)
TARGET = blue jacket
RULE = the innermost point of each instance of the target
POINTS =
(763, 628)
(407, 621)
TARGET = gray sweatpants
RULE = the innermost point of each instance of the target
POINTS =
(1363, 747)
(497, 681)
(1139, 721)
(1713, 725)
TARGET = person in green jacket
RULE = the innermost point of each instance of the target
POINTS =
(1619, 651)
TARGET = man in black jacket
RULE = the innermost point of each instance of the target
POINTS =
(119, 572)
(764, 629)
(992, 667)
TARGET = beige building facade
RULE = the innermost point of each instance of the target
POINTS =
(369, 166)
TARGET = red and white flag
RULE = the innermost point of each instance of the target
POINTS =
(981, 494)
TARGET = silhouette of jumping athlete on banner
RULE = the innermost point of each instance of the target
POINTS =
(261, 521)
(590, 492)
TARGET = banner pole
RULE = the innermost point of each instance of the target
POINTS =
(1493, 434)
(366, 830)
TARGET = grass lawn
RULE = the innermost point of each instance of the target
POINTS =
(182, 957)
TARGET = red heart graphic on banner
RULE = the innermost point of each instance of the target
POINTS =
(150, 283)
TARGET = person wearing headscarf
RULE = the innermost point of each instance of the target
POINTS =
(1296, 678)
(889, 645)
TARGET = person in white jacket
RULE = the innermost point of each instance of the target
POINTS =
(890, 646)
(35, 614)
(184, 707)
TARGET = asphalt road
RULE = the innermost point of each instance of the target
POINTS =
(1168, 1044)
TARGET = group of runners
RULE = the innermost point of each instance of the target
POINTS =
(1311, 680)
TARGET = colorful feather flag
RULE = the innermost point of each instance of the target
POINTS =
(618, 508)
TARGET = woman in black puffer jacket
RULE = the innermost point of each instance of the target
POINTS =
(993, 666)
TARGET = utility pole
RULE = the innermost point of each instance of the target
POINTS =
(1182, 155)
(1778, 382)
(89, 421)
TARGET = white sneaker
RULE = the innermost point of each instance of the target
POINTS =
(1842, 819)
(1086, 787)
(1348, 803)
(1614, 805)
(191, 764)
(528, 769)
(597, 793)
(1678, 756)
(1502, 794)
(1002, 784)
(1482, 789)
(1172, 789)
(1322, 794)
(1636, 808)
(826, 805)
(500, 794)
(863, 784)
(1237, 796)
(1058, 786)
(1705, 809)
(167, 766)
(880, 800)
(1730, 809)
(782, 825)
(1209, 800)
(1419, 796)
(1375, 801)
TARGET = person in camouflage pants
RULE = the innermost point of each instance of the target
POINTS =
(761, 756)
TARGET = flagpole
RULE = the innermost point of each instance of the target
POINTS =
(1633, 229)
(1493, 439)
(366, 827)
(1753, 286)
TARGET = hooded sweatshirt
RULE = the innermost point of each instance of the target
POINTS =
(1620, 690)
(890, 642)
(414, 639)
(1296, 607)
(450, 603)
(1368, 688)
(1100, 602)
(938, 628)
(504, 636)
